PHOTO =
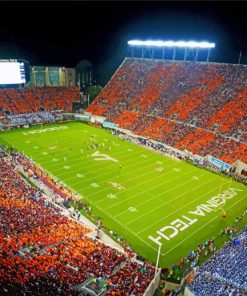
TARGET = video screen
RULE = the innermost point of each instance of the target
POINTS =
(12, 73)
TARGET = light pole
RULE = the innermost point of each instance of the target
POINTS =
(158, 258)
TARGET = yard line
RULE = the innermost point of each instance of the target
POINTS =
(71, 185)
(96, 165)
(137, 185)
(73, 156)
(74, 143)
(162, 204)
(98, 170)
(154, 209)
(156, 222)
(127, 228)
(140, 175)
(84, 168)
(145, 182)
(199, 229)
(141, 167)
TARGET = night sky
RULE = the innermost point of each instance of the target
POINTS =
(64, 33)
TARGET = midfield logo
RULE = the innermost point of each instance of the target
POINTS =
(98, 156)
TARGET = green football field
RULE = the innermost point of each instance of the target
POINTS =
(145, 197)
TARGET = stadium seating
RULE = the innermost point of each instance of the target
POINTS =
(196, 140)
(46, 253)
(32, 118)
(224, 273)
(232, 112)
(200, 107)
(33, 99)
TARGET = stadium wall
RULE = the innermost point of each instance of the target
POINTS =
(187, 292)
(153, 285)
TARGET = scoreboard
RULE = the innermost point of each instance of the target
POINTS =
(12, 72)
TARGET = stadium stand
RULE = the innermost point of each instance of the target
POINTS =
(15, 101)
(46, 253)
(33, 118)
(224, 273)
(200, 107)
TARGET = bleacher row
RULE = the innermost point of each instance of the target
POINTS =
(46, 253)
(224, 273)
(32, 99)
(200, 107)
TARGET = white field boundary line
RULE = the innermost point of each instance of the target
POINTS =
(165, 217)
(200, 228)
(167, 181)
(117, 176)
(173, 199)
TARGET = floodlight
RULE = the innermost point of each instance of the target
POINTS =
(160, 43)
(191, 44)
(169, 43)
(180, 44)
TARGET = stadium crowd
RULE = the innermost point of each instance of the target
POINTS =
(44, 252)
(200, 107)
(33, 118)
(225, 272)
(15, 101)
(177, 154)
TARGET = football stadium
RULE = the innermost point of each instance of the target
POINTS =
(139, 191)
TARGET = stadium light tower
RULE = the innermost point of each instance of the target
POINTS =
(158, 258)
(187, 46)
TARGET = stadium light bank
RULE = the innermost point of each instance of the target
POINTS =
(190, 47)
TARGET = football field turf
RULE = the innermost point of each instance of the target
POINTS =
(144, 196)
